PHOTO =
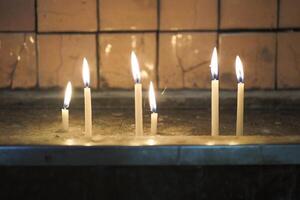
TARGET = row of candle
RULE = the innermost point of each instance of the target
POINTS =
(152, 100)
(239, 69)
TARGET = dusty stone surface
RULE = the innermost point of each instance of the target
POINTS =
(61, 57)
(40, 118)
(188, 14)
(248, 14)
(67, 15)
(18, 61)
(184, 60)
(257, 52)
(288, 60)
(115, 64)
(110, 122)
(128, 15)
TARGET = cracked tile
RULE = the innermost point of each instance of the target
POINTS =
(288, 60)
(60, 59)
(18, 61)
(128, 15)
(257, 52)
(248, 14)
(289, 14)
(67, 15)
(115, 65)
(17, 15)
(184, 60)
(188, 14)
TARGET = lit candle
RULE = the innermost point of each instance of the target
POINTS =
(87, 98)
(138, 95)
(64, 110)
(214, 94)
(240, 96)
(154, 115)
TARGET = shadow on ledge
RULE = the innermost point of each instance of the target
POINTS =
(142, 183)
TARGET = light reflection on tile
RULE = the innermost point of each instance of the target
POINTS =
(60, 59)
(115, 66)
(18, 61)
(184, 60)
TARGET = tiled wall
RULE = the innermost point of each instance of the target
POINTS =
(43, 42)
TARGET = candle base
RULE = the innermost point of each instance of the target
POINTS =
(138, 109)
(65, 119)
(154, 117)
(240, 110)
(215, 107)
(88, 112)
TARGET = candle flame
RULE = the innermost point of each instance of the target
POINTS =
(135, 68)
(214, 65)
(68, 95)
(152, 99)
(239, 70)
(85, 72)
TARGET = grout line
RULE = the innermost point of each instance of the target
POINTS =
(157, 44)
(160, 31)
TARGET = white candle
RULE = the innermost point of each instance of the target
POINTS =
(138, 95)
(154, 115)
(214, 94)
(240, 96)
(87, 98)
(64, 110)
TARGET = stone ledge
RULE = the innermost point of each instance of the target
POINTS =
(158, 151)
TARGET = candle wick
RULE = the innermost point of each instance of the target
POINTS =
(214, 77)
(65, 106)
(138, 80)
(240, 80)
(154, 110)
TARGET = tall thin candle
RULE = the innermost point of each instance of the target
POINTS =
(138, 95)
(240, 96)
(214, 94)
(87, 98)
(154, 115)
(64, 110)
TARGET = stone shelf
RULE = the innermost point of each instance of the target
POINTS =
(30, 130)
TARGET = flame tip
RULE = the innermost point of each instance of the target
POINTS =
(85, 72)
(68, 95)
(152, 99)
(135, 68)
(214, 65)
(239, 69)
